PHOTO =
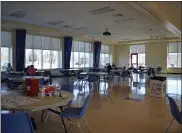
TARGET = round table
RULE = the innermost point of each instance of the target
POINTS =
(94, 73)
(42, 103)
(117, 70)
(26, 77)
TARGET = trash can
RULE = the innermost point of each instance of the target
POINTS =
(32, 86)
(157, 86)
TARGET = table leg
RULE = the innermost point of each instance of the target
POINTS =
(42, 119)
(65, 128)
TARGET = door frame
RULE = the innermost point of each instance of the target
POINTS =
(136, 59)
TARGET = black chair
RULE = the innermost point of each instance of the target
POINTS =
(125, 74)
(159, 70)
(176, 114)
(135, 71)
(48, 74)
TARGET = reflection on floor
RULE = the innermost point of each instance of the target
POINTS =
(110, 112)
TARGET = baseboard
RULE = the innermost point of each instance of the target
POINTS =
(173, 73)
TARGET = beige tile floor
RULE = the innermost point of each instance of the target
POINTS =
(115, 114)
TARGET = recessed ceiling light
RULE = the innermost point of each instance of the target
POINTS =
(66, 26)
(118, 15)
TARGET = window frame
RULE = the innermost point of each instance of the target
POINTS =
(9, 55)
(59, 54)
(176, 52)
(137, 52)
(73, 53)
(6, 42)
(104, 53)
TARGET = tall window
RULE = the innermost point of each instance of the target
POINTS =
(105, 55)
(139, 52)
(43, 52)
(174, 55)
(6, 50)
(81, 55)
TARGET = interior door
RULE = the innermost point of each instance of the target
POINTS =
(134, 60)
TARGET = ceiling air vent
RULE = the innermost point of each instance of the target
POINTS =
(101, 10)
(18, 14)
(55, 22)
(124, 20)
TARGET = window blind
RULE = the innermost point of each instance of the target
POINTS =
(44, 43)
(37, 42)
(75, 46)
(81, 47)
(105, 49)
(134, 49)
(173, 47)
(179, 47)
(141, 48)
(88, 47)
(6, 39)
(137, 48)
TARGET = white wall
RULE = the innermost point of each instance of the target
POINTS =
(122, 55)
(156, 55)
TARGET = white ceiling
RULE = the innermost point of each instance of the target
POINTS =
(77, 15)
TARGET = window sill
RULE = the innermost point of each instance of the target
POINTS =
(174, 68)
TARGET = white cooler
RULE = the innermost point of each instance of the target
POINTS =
(157, 86)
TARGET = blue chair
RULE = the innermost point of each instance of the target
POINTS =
(16, 123)
(177, 115)
(77, 113)
(80, 78)
(92, 78)
(68, 88)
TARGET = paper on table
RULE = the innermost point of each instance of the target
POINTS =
(63, 94)
(14, 100)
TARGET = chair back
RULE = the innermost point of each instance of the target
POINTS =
(149, 71)
(96, 70)
(124, 68)
(68, 88)
(174, 110)
(125, 73)
(16, 123)
(159, 69)
(85, 106)
(135, 70)
(93, 78)
(79, 76)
